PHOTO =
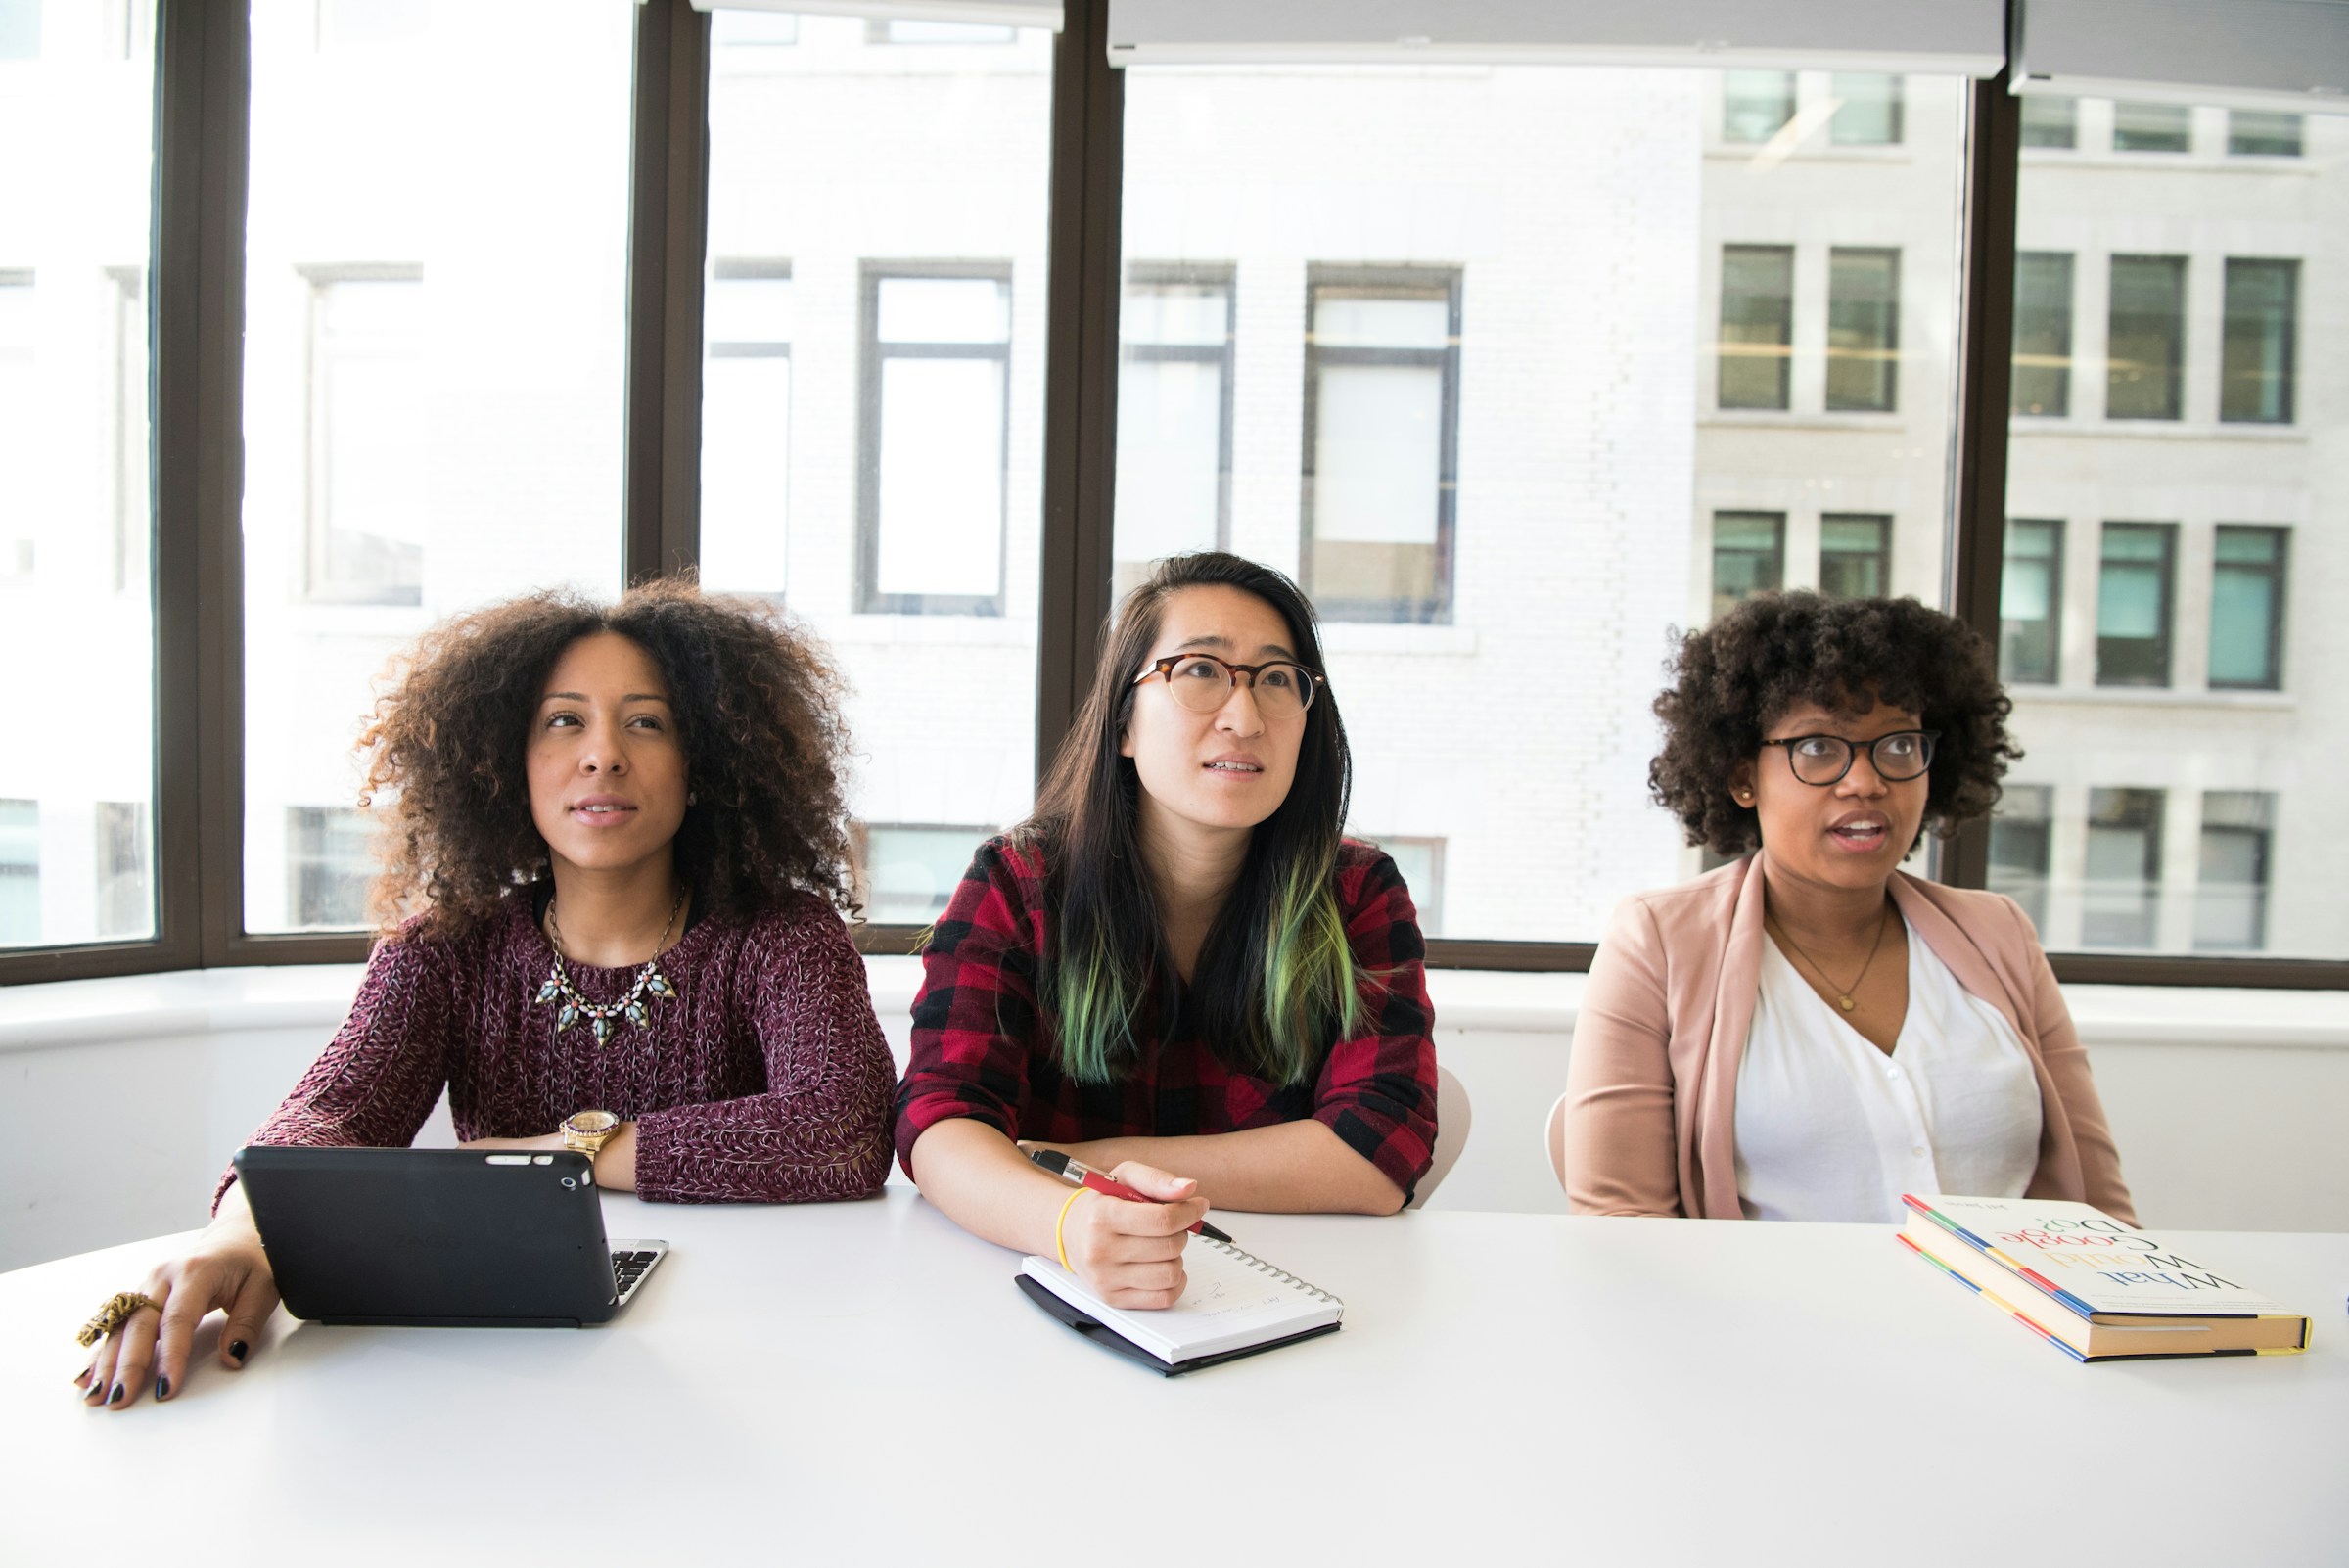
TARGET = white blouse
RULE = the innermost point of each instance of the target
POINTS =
(1830, 1127)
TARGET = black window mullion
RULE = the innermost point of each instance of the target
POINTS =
(668, 233)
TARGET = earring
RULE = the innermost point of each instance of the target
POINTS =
(1744, 796)
(691, 799)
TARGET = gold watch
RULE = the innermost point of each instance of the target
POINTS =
(589, 1130)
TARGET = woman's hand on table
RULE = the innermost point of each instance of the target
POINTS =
(1131, 1253)
(225, 1270)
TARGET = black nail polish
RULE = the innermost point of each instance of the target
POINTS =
(115, 1396)
(162, 1387)
(236, 1351)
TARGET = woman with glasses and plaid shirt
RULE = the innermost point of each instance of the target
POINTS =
(1177, 971)
(1808, 1032)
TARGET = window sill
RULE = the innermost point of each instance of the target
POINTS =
(2173, 162)
(1893, 423)
(2274, 702)
(2167, 430)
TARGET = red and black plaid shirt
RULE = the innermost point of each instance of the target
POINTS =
(983, 1048)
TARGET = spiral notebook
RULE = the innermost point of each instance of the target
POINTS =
(1235, 1303)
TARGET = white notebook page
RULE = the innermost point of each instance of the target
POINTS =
(1230, 1299)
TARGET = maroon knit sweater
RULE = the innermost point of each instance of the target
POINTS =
(764, 1080)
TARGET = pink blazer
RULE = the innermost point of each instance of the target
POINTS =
(1651, 1088)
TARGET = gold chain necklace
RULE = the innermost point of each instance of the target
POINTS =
(650, 982)
(1843, 994)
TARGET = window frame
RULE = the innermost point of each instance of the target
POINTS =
(2053, 621)
(1785, 346)
(318, 585)
(1225, 356)
(2277, 573)
(2165, 640)
(193, 305)
(2289, 269)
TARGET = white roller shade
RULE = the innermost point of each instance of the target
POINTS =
(2290, 55)
(981, 13)
(1964, 38)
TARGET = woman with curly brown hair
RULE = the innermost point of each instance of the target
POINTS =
(614, 872)
(1808, 1032)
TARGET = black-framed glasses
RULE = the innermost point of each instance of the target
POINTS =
(1203, 683)
(1823, 759)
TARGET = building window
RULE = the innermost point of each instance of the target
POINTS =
(2031, 601)
(2246, 607)
(935, 456)
(126, 889)
(2021, 844)
(753, 29)
(19, 402)
(329, 863)
(1382, 401)
(2051, 121)
(1173, 483)
(2255, 372)
(1855, 555)
(2133, 604)
(1868, 109)
(20, 30)
(1749, 556)
(2042, 332)
(2256, 133)
(907, 871)
(2124, 868)
(1864, 329)
(2231, 892)
(1420, 860)
(1755, 105)
(2153, 128)
(133, 508)
(1756, 325)
(2146, 356)
(367, 414)
(878, 31)
(746, 426)
(20, 873)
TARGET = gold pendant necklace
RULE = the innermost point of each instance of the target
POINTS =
(650, 983)
(1843, 994)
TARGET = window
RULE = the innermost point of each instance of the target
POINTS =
(1755, 105)
(2122, 893)
(2042, 332)
(20, 873)
(2031, 601)
(2255, 373)
(755, 29)
(2231, 892)
(20, 397)
(935, 449)
(362, 26)
(367, 409)
(126, 889)
(133, 497)
(2051, 121)
(2133, 604)
(2256, 133)
(1864, 329)
(2246, 607)
(1749, 556)
(746, 426)
(1855, 555)
(1756, 325)
(1422, 864)
(2153, 128)
(2146, 337)
(898, 32)
(910, 870)
(2021, 848)
(1381, 438)
(1868, 109)
(328, 867)
(20, 29)
(1174, 406)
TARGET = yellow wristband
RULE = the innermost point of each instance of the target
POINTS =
(1059, 1226)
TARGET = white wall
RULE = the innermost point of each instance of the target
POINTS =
(121, 1100)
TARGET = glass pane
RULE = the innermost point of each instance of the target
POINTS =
(1484, 326)
(1863, 315)
(2051, 121)
(76, 851)
(2042, 332)
(1868, 109)
(2020, 848)
(872, 442)
(2153, 127)
(2251, 133)
(2194, 480)
(433, 371)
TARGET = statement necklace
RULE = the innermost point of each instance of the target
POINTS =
(634, 1006)
(1843, 994)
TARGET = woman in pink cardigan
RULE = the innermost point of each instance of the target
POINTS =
(1808, 1032)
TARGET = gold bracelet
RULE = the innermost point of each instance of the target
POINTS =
(1060, 1226)
(121, 1307)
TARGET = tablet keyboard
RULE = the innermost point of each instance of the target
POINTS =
(628, 1270)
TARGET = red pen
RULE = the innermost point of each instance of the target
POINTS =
(1081, 1174)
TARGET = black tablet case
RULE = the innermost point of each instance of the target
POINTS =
(437, 1237)
(1109, 1339)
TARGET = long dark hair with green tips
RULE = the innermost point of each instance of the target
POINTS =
(1276, 984)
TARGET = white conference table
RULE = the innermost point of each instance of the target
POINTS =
(862, 1383)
